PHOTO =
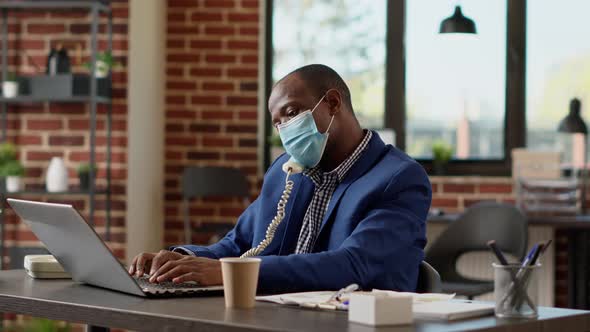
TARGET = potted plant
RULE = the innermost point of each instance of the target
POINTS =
(7, 152)
(10, 167)
(13, 171)
(84, 175)
(104, 63)
(10, 86)
(44, 325)
(276, 146)
(441, 154)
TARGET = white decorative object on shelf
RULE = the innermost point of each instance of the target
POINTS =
(14, 184)
(102, 69)
(57, 176)
(9, 89)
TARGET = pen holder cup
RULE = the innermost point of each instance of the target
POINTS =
(515, 290)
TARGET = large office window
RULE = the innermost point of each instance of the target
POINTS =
(455, 84)
(558, 69)
(347, 35)
(466, 90)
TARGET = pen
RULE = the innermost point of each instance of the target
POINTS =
(492, 245)
(502, 259)
(536, 257)
(537, 253)
(545, 248)
(528, 259)
(517, 281)
(348, 289)
(333, 303)
(530, 255)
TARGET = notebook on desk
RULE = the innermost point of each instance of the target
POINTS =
(451, 310)
(443, 306)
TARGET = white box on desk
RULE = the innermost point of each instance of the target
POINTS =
(380, 309)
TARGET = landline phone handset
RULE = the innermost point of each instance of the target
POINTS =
(290, 167)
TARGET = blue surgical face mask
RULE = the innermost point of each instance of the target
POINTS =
(302, 140)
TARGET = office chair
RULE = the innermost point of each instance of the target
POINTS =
(470, 232)
(428, 279)
(210, 181)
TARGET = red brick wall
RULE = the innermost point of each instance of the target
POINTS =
(211, 104)
(42, 131)
(454, 194)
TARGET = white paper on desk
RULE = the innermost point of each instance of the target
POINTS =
(418, 297)
(451, 310)
(323, 296)
(297, 298)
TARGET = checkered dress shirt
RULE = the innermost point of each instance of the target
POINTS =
(325, 184)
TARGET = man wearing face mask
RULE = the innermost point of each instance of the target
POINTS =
(356, 213)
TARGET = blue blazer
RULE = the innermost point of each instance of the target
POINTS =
(372, 234)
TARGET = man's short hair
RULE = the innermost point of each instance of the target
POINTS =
(321, 78)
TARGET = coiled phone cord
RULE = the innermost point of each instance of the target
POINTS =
(271, 229)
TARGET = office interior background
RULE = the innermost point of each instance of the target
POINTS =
(189, 88)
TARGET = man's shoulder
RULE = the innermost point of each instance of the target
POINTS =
(395, 164)
(396, 158)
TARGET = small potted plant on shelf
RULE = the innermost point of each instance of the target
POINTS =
(43, 325)
(441, 154)
(84, 175)
(10, 167)
(7, 152)
(104, 63)
(10, 86)
(13, 171)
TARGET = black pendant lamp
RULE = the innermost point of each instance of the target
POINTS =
(573, 122)
(457, 23)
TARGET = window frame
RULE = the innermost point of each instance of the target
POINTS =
(395, 91)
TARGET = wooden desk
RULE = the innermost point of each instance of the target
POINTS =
(65, 300)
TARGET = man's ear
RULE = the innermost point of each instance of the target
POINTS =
(334, 99)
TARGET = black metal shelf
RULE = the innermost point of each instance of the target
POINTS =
(60, 193)
(93, 99)
(32, 100)
(49, 4)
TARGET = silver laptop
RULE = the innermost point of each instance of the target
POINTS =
(84, 255)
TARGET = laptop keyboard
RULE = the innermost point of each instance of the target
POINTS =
(166, 286)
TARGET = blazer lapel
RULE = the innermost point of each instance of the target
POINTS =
(373, 152)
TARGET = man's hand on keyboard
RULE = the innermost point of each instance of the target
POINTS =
(204, 271)
(149, 262)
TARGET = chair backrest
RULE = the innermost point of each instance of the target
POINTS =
(213, 181)
(428, 279)
(210, 181)
(480, 223)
